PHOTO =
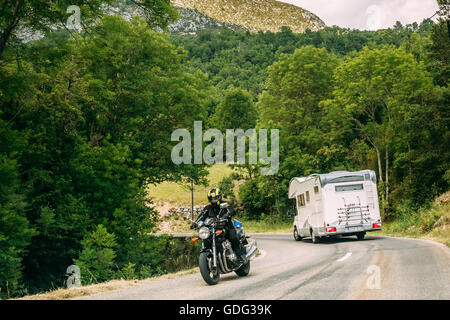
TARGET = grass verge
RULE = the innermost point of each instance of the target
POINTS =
(431, 223)
(266, 225)
(74, 293)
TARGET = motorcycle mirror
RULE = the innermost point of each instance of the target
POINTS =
(224, 205)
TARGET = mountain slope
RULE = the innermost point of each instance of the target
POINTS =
(191, 21)
(255, 15)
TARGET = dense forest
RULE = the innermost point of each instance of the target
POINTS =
(86, 121)
(342, 99)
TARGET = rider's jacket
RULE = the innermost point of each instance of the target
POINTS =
(211, 211)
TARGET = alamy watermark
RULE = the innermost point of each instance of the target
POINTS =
(213, 153)
(74, 20)
(374, 19)
(373, 282)
(73, 274)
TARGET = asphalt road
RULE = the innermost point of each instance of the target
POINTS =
(374, 268)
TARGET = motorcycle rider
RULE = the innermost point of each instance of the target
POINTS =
(212, 210)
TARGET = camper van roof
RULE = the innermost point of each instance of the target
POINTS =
(341, 176)
(344, 176)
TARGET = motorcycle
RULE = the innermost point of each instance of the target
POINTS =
(217, 256)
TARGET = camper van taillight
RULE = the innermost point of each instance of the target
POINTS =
(376, 225)
(332, 229)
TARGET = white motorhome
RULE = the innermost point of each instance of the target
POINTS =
(339, 203)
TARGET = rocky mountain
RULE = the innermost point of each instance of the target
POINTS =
(254, 15)
(191, 21)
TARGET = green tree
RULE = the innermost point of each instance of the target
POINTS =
(93, 119)
(440, 46)
(15, 232)
(236, 111)
(376, 91)
(227, 187)
(37, 15)
(96, 260)
(295, 87)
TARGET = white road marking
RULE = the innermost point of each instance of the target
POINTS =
(345, 257)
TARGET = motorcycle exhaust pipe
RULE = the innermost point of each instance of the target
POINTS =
(251, 252)
(221, 262)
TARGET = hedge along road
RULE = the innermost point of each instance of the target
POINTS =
(374, 268)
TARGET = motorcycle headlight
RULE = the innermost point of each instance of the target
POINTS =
(203, 233)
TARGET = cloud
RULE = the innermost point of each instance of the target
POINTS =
(368, 14)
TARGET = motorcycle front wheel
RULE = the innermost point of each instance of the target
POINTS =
(208, 275)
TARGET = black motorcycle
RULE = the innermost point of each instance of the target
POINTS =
(217, 256)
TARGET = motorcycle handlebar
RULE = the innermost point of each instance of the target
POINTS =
(195, 225)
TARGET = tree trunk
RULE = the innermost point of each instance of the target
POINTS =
(380, 169)
(249, 170)
(409, 162)
(11, 25)
(387, 175)
(192, 198)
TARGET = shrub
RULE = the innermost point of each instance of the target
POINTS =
(97, 257)
(129, 271)
(227, 187)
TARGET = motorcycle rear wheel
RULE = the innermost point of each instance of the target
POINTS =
(210, 277)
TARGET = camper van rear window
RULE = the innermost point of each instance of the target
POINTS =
(351, 187)
(347, 179)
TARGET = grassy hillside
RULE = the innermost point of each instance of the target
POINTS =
(180, 195)
(431, 223)
(255, 15)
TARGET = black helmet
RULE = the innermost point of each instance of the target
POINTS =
(215, 196)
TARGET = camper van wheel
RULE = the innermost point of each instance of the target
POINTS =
(360, 236)
(296, 235)
(314, 238)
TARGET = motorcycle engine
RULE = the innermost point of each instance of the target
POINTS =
(228, 250)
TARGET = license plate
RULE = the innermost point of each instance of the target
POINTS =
(353, 229)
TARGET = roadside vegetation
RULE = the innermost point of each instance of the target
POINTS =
(87, 290)
(431, 222)
(267, 225)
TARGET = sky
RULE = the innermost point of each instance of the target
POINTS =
(368, 14)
